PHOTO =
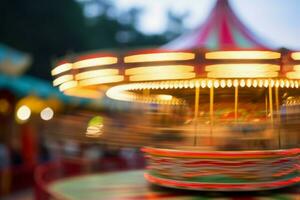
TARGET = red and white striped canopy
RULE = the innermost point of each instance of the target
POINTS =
(221, 30)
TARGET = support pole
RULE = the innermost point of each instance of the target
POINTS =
(277, 100)
(197, 95)
(278, 116)
(266, 104)
(236, 99)
(271, 103)
(211, 111)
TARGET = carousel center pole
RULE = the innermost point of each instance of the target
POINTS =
(197, 95)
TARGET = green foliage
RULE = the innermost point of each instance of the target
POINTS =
(53, 28)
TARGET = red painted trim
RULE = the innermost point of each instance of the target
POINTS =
(229, 154)
(221, 186)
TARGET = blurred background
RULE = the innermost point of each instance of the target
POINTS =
(34, 34)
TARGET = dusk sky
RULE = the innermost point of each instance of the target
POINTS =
(275, 22)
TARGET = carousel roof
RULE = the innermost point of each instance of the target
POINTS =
(221, 30)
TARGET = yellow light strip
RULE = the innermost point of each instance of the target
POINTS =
(125, 92)
(154, 57)
(62, 79)
(121, 93)
(159, 69)
(96, 73)
(68, 85)
(101, 80)
(83, 93)
(243, 67)
(162, 76)
(296, 55)
(293, 75)
(297, 67)
(242, 55)
(61, 68)
(92, 62)
(241, 74)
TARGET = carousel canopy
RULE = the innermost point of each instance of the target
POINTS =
(221, 30)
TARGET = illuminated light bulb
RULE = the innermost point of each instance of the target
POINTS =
(152, 86)
(272, 83)
(281, 83)
(296, 84)
(23, 113)
(292, 84)
(181, 84)
(277, 83)
(161, 85)
(186, 84)
(242, 83)
(192, 84)
(255, 83)
(167, 85)
(249, 83)
(47, 114)
(209, 83)
(223, 83)
(171, 84)
(287, 84)
(216, 84)
(229, 83)
(266, 83)
(235, 83)
(197, 84)
(260, 83)
(203, 83)
(176, 84)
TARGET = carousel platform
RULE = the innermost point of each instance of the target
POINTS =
(131, 185)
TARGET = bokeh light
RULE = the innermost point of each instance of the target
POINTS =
(23, 113)
(47, 114)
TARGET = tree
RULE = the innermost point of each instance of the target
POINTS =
(45, 29)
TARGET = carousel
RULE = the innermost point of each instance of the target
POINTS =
(222, 108)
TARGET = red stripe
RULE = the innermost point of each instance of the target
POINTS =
(221, 186)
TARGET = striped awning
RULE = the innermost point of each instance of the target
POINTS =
(221, 30)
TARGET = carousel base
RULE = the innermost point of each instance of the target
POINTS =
(131, 185)
(223, 170)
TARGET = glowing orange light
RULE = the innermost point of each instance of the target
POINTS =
(62, 79)
(92, 62)
(153, 57)
(68, 85)
(101, 80)
(242, 55)
(296, 55)
(96, 73)
(61, 68)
